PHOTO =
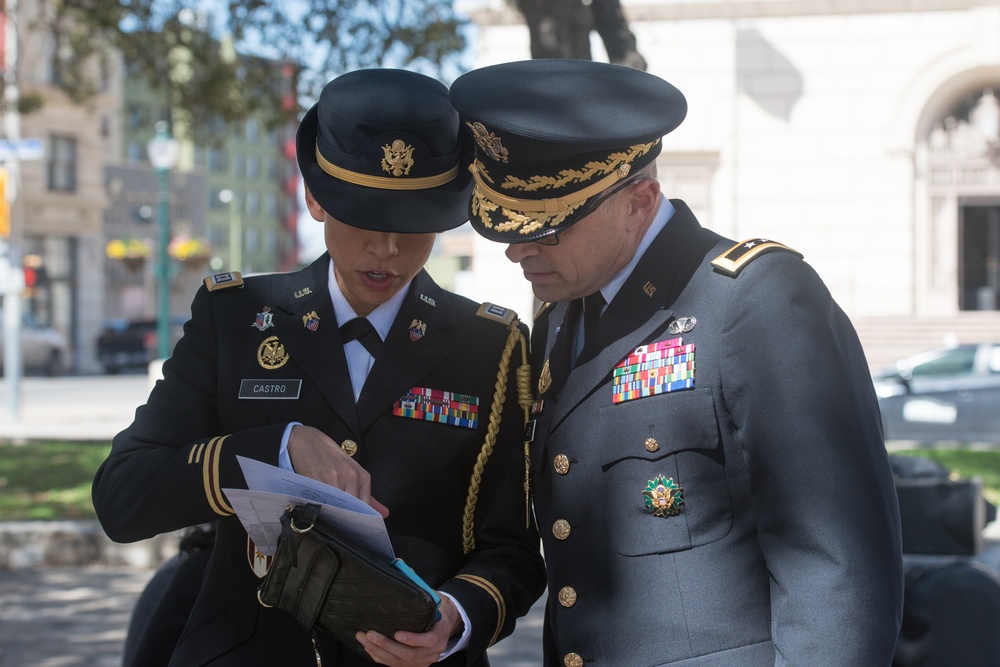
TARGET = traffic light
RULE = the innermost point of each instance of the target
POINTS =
(4, 205)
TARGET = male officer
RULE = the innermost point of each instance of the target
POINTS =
(709, 472)
(407, 413)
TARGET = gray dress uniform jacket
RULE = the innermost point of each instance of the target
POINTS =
(169, 468)
(786, 548)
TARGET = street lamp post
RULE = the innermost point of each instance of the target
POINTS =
(163, 151)
(230, 198)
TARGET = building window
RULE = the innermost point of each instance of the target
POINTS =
(136, 151)
(216, 160)
(252, 240)
(253, 130)
(62, 164)
(979, 262)
(272, 168)
(253, 167)
(239, 163)
(253, 203)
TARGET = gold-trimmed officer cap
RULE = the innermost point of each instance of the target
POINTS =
(382, 150)
(552, 135)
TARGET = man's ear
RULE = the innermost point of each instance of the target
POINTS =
(315, 210)
(643, 199)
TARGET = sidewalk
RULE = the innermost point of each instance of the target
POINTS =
(66, 590)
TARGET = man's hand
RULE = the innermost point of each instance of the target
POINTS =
(315, 455)
(412, 649)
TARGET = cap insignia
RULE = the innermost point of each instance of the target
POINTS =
(398, 158)
(663, 497)
(488, 142)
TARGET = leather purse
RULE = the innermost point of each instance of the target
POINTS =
(329, 584)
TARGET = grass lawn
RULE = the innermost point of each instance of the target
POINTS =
(968, 463)
(48, 480)
(51, 480)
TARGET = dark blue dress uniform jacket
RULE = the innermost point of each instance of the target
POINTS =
(786, 550)
(167, 469)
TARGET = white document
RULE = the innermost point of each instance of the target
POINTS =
(271, 490)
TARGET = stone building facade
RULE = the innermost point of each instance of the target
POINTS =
(864, 134)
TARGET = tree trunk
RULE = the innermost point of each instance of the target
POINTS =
(558, 28)
(609, 21)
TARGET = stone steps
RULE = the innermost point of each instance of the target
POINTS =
(887, 339)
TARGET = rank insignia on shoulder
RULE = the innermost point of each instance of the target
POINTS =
(491, 311)
(736, 258)
(224, 280)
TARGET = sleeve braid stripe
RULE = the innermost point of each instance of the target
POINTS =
(210, 474)
(494, 592)
(194, 456)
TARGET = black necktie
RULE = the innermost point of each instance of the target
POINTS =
(362, 330)
(593, 304)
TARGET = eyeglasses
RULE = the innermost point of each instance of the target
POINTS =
(553, 237)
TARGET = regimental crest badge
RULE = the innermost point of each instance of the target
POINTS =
(663, 496)
(489, 142)
(259, 563)
(417, 330)
(398, 158)
(311, 320)
(271, 354)
(264, 319)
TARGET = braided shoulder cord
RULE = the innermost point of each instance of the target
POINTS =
(525, 398)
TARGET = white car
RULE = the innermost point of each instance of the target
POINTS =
(42, 348)
(946, 394)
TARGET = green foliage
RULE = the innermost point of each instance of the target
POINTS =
(967, 463)
(287, 50)
(48, 480)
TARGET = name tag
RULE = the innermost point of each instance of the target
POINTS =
(270, 388)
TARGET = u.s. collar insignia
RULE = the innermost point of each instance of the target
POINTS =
(311, 320)
(663, 497)
(264, 319)
(489, 142)
(271, 354)
(417, 330)
(545, 378)
(305, 291)
(429, 301)
(682, 325)
(398, 158)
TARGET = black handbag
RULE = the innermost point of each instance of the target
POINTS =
(326, 583)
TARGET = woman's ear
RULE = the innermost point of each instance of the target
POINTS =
(315, 210)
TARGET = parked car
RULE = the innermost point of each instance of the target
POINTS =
(42, 348)
(950, 393)
(126, 345)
